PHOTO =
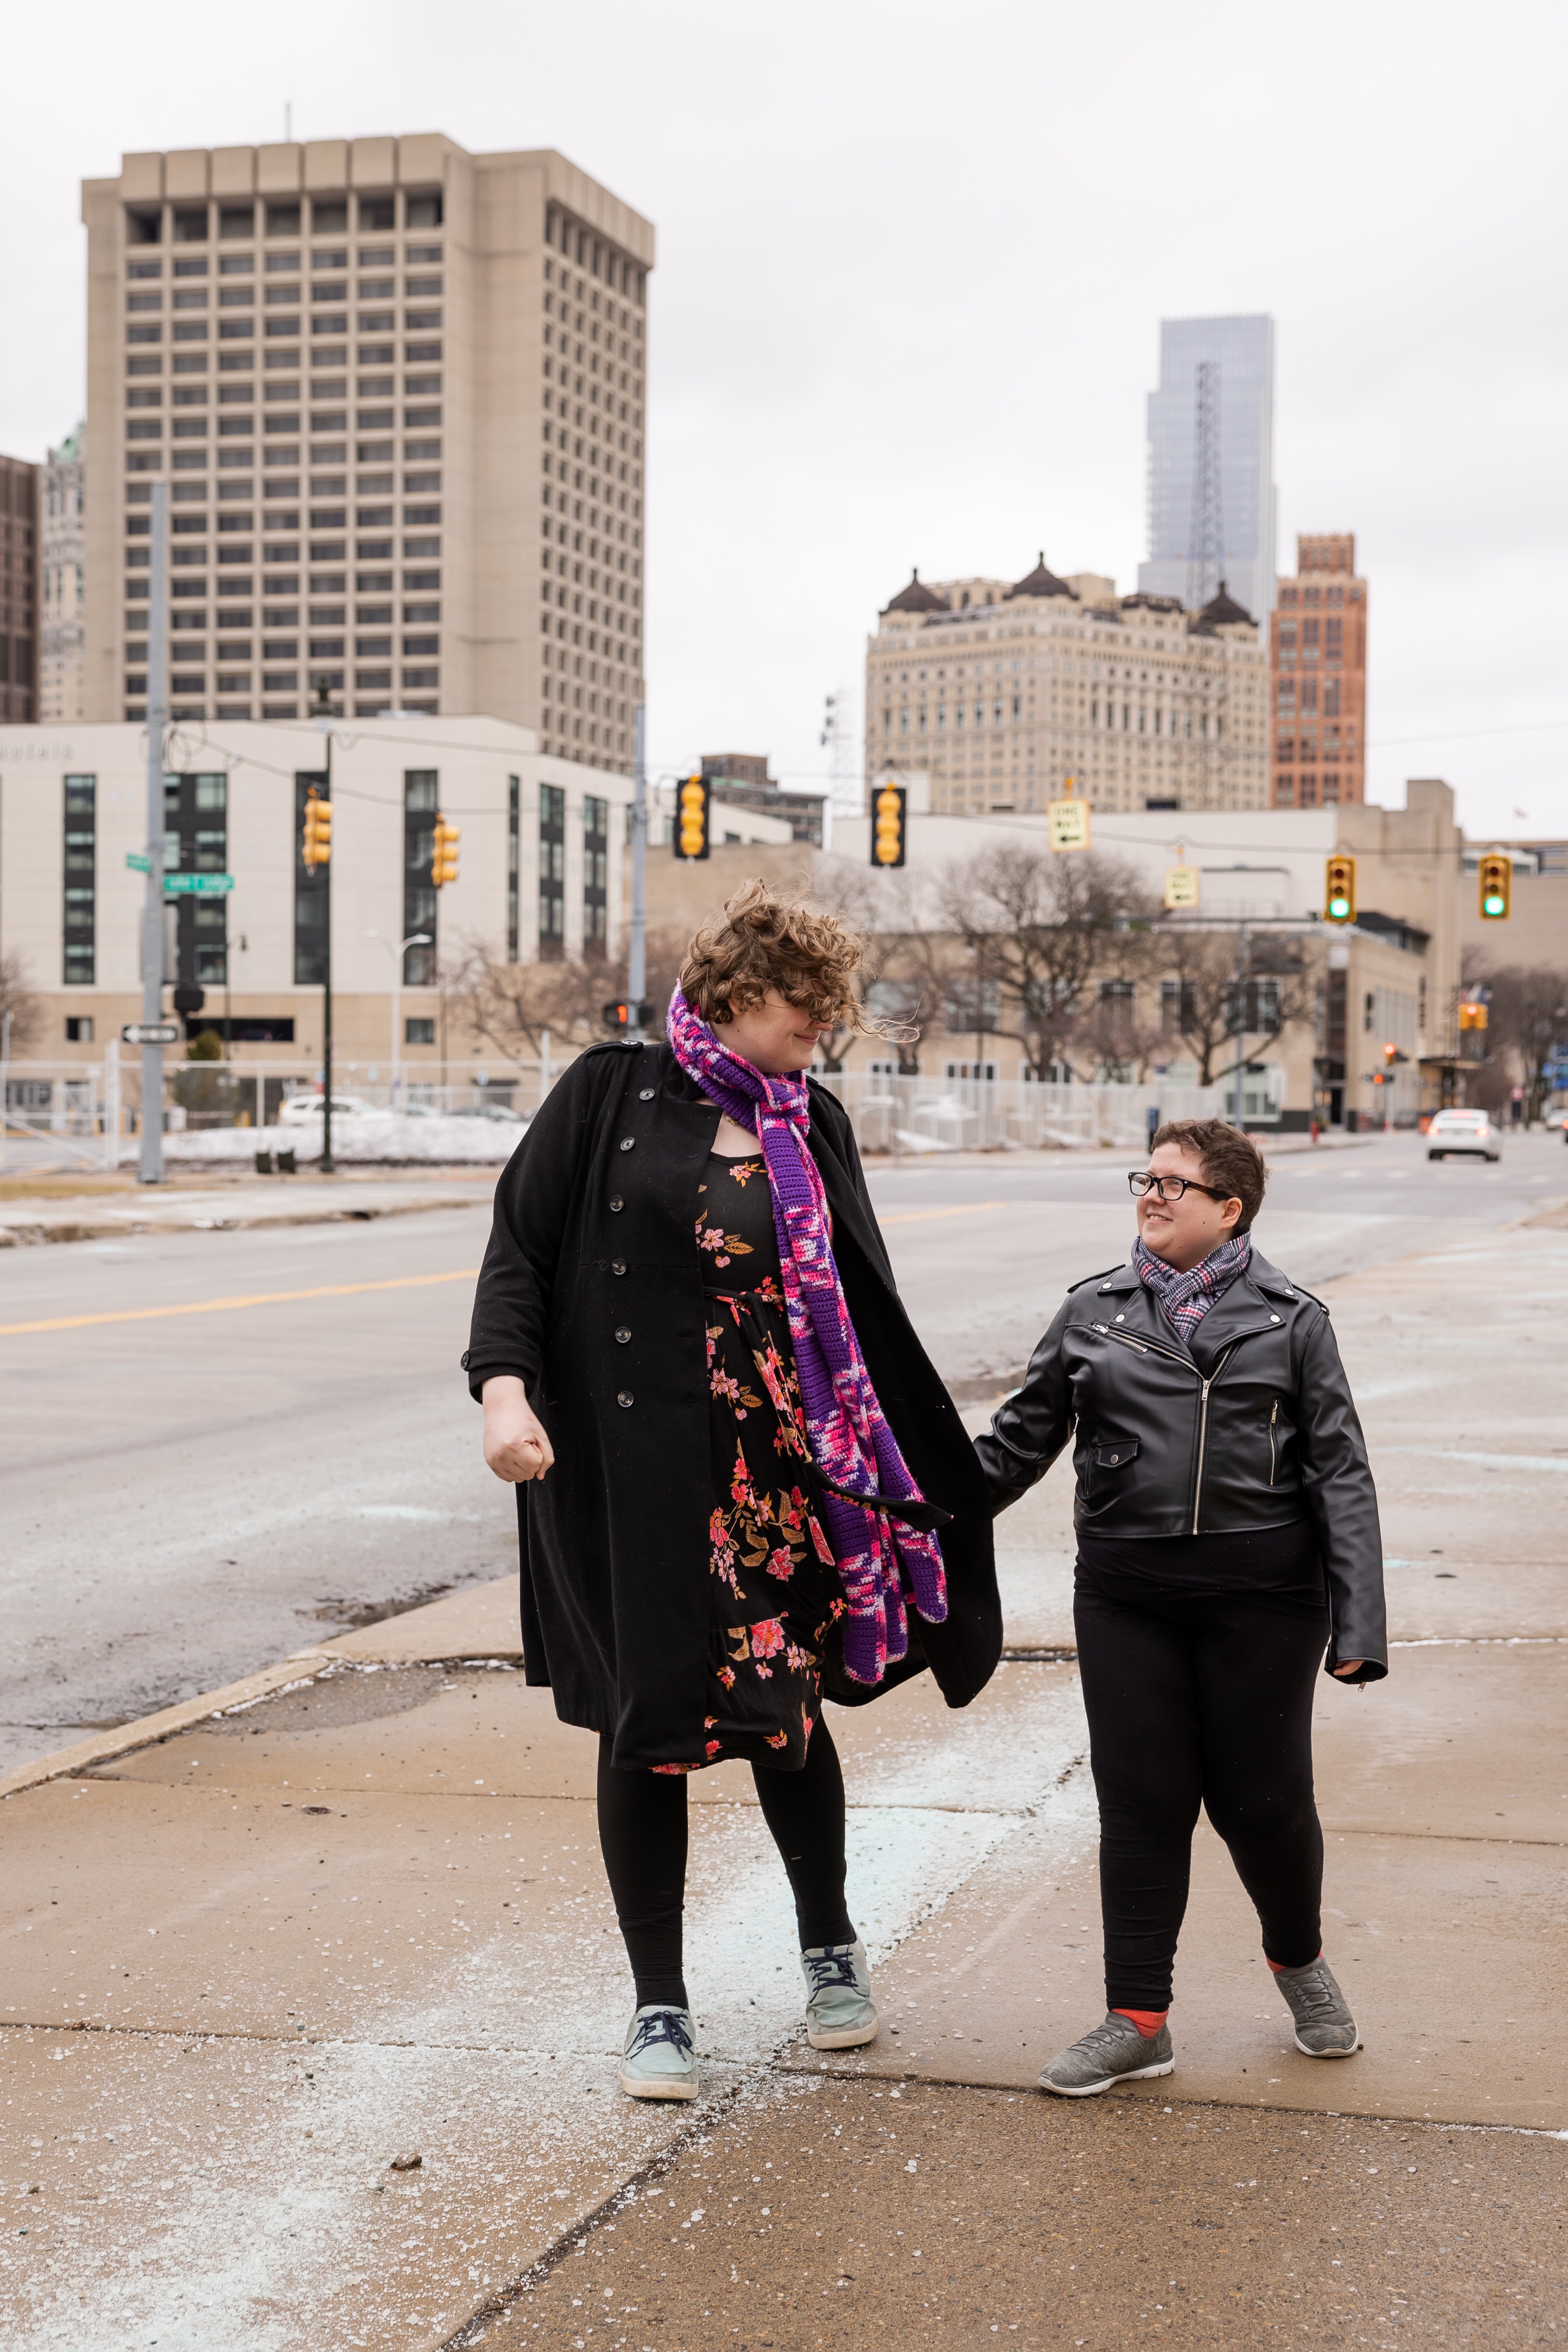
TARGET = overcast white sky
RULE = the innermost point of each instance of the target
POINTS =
(912, 261)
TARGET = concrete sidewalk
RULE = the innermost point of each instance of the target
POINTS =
(267, 1948)
(242, 1203)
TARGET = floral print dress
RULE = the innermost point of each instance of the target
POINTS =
(774, 1587)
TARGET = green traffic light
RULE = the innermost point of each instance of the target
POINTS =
(1338, 908)
(1492, 904)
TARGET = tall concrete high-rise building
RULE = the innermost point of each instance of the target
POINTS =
(18, 589)
(1216, 388)
(397, 393)
(1318, 677)
(61, 583)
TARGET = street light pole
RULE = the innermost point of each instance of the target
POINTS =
(1241, 960)
(329, 1167)
(417, 940)
(636, 944)
(150, 1164)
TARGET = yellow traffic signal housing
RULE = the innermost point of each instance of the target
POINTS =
(1496, 883)
(1339, 896)
(1472, 1013)
(317, 849)
(693, 804)
(444, 853)
(889, 825)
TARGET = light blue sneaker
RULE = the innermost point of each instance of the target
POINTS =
(839, 2011)
(659, 2061)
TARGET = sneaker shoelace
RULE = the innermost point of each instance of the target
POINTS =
(1111, 2035)
(827, 1970)
(664, 2026)
(1309, 1997)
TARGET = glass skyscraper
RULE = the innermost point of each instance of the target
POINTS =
(1239, 355)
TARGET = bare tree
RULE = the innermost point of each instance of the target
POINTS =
(512, 1006)
(1039, 926)
(17, 1000)
(1210, 1006)
(1529, 1018)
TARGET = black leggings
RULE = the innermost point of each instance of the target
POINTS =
(642, 1833)
(1197, 1699)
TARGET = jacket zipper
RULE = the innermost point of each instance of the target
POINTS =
(1204, 1436)
(1273, 1463)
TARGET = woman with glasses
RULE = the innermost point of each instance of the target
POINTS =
(1228, 1542)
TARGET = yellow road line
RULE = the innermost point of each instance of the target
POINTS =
(221, 1305)
(963, 1209)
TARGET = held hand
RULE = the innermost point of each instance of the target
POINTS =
(1350, 1666)
(516, 1446)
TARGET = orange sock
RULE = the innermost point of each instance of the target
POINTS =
(1281, 1969)
(1147, 2021)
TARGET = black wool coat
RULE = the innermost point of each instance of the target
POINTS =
(591, 1293)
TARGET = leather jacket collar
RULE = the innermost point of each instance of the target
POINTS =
(1256, 1300)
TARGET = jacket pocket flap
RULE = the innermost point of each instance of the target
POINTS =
(1113, 1456)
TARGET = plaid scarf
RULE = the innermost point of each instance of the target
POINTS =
(855, 1451)
(1185, 1299)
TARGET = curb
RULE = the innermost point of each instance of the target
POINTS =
(17, 1234)
(148, 1729)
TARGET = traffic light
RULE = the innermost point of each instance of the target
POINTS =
(691, 810)
(628, 1016)
(890, 813)
(444, 853)
(318, 844)
(1472, 1013)
(1497, 880)
(1338, 897)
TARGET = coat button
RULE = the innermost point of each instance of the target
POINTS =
(1274, 1318)
(616, 1204)
(617, 1266)
(628, 1142)
(647, 1095)
(623, 1397)
(1113, 1459)
(623, 1335)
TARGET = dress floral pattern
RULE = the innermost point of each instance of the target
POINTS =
(775, 1592)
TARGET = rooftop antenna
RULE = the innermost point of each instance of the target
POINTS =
(288, 121)
(1205, 527)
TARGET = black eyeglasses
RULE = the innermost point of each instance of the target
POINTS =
(1170, 1188)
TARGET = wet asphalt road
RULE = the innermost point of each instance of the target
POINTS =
(189, 1497)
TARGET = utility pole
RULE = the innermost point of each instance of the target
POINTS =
(1241, 961)
(636, 944)
(329, 1167)
(149, 1168)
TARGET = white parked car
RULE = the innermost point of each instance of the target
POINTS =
(1463, 1133)
(299, 1110)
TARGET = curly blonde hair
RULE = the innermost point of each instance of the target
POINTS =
(761, 943)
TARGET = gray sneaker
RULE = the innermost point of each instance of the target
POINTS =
(839, 2011)
(1112, 2053)
(1324, 2026)
(659, 2061)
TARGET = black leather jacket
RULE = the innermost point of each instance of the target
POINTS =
(1250, 1425)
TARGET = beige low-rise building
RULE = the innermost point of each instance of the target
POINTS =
(540, 878)
(1010, 694)
(396, 392)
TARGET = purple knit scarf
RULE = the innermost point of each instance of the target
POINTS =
(851, 1444)
(1185, 1299)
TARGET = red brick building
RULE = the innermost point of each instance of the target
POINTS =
(1318, 677)
(19, 590)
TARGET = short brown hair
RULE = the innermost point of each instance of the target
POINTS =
(761, 941)
(1231, 1161)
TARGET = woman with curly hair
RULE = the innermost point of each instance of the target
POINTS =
(764, 1495)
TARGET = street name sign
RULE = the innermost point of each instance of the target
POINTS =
(138, 861)
(151, 1032)
(1069, 822)
(1180, 886)
(197, 885)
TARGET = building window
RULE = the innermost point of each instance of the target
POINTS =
(513, 857)
(81, 881)
(79, 1028)
(551, 872)
(595, 876)
(196, 841)
(421, 795)
(310, 893)
(419, 1030)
